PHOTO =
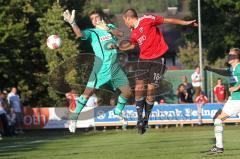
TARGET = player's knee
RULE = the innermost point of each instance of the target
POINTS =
(127, 94)
(218, 122)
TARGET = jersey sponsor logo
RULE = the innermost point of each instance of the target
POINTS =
(104, 38)
(141, 40)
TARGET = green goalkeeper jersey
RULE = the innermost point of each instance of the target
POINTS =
(105, 64)
(235, 81)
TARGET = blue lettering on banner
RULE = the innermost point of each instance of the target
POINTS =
(160, 112)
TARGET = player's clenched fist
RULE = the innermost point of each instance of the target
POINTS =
(102, 25)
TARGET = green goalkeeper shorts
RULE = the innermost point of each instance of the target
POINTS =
(115, 79)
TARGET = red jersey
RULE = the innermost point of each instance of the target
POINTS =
(149, 38)
(201, 99)
(220, 92)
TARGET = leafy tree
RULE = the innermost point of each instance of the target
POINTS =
(189, 55)
(20, 59)
(52, 23)
(220, 26)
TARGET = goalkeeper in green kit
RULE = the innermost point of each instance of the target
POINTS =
(106, 69)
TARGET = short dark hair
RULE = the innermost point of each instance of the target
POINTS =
(97, 11)
(130, 13)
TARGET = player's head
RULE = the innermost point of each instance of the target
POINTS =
(219, 81)
(234, 55)
(95, 16)
(197, 69)
(130, 17)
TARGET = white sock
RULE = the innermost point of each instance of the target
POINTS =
(218, 129)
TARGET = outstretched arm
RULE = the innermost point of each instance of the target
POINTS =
(115, 31)
(125, 45)
(218, 71)
(180, 22)
(70, 18)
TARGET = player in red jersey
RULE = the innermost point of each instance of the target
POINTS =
(220, 91)
(146, 34)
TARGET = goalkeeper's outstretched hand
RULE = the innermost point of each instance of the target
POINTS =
(69, 17)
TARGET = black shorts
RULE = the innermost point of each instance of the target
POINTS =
(151, 71)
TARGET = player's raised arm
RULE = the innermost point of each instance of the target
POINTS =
(70, 18)
(180, 22)
(115, 31)
(222, 72)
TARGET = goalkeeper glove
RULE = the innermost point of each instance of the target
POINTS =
(70, 18)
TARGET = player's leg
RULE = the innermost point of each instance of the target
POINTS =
(199, 110)
(230, 108)
(122, 99)
(120, 81)
(157, 70)
(142, 76)
(218, 132)
(139, 100)
(81, 102)
(149, 102)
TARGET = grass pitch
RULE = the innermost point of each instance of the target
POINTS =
(171, 143)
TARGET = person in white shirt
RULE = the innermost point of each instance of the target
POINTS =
(14, 101)
(196, 82)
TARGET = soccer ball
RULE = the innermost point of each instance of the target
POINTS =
(53, 41)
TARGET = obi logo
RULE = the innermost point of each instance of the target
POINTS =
(104, 38)
(141, 40)
(35, 117)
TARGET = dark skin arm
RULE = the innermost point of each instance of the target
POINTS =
(218, 71)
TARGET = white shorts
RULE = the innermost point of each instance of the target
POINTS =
(231, 107)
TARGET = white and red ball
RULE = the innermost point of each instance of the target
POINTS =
(54, 41)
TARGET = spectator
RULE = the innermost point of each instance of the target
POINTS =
(200, 101)
(220, 92)
(182, 95)
(12, 121)
(3, 115)
(196, 82)
(188, 86)
(14, 101)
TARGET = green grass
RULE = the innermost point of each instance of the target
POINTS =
(171, 143)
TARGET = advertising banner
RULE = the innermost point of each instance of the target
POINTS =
(103, 116)
(55, 118)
